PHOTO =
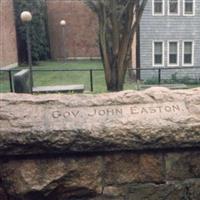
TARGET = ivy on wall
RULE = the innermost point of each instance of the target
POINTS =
(38, 30)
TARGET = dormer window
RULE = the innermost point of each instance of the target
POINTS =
(188, 7)
(158, 7)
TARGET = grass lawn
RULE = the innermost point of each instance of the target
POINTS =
(47, 78)
(72, 77)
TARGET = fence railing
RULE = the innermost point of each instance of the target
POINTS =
(167, 73)
(90, 72)
(147, 75)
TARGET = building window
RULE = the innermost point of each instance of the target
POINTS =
(158, 7)
(158, 53)
(188, 53)
(173, 53)
(173, 7)
(189, 8)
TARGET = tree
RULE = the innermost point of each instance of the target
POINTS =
(118, 22)
(39, 33)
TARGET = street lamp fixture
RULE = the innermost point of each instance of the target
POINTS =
(26, 17)
(63, 25)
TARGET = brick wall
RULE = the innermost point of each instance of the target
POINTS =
(81, 28)
(8, 47)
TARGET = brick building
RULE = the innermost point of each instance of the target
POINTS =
(8, 46)
(80, 32)
(80, 37)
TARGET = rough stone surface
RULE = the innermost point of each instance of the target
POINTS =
(180, 166)
(121, 169)
(174, 190)
(52, 178)
(153, 119)
(127, 168)
(151, 168)
(114, 191)
(101, 176)
(107, 198)
(3, 195)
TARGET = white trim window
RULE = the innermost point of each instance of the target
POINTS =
(158, 53)
(173, 53)
(174, 7)
(158, 7)
(188, 53)
(188, 7)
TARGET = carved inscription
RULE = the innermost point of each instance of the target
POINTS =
(162, 110)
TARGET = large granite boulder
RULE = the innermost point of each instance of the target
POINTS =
(129, 120)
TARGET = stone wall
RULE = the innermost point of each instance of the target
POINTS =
(120, 146)
(148, 175)
(81, 29)
(8, 46)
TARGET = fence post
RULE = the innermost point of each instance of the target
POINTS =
(10, 79)
(159, 76)
(91, 80)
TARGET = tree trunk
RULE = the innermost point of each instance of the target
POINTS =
(115, 87)
(116, 81)
(118, 21)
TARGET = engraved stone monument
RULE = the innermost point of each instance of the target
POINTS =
(58, 123)
(117, 146)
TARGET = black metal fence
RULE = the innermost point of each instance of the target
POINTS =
(89, 71)
(157, 76)
(185, 75)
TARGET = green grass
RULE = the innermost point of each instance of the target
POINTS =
(72, 77)
(193, 85)
(75, 64)
(4, 82)
(47, 78)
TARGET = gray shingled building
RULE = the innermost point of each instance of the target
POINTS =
(170, 38)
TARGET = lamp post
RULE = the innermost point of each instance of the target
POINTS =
(26, 18)
(63, 25)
